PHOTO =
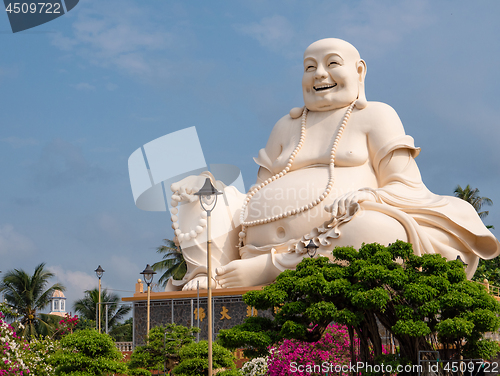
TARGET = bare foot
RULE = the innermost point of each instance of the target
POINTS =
(254, 271)
(193, 284)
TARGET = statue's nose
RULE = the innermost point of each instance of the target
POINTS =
(320, 72)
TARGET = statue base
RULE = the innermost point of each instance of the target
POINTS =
(189, 308)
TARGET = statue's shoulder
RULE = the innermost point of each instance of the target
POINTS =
(378, 109)
(381, 119)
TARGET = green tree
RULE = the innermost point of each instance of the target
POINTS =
(173, 262)
(471, 195)
(194, 360)
(162, 347)
(424, 301)
(122, 332)
(28, 295)
(486, 269)
(87, 307)
(87, 352)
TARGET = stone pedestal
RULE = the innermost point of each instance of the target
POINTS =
(185, 308)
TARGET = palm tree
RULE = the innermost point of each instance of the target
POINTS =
(173, 261)
(28, 295)
(472, 197)
(86, 307)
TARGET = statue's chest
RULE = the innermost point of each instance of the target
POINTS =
(352, 149)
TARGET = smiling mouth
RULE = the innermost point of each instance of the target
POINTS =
(324, 87)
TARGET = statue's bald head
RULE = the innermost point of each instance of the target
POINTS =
(346, 48)
(334, 75)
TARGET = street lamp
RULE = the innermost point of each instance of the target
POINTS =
(311, 249)
(208, 199)
(99, 272)
(148, 278)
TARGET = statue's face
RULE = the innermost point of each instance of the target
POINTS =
(332, 72)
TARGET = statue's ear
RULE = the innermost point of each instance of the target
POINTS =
(361, 102)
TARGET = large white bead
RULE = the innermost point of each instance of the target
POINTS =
(176, 197)
(187, 237)
(199, 229)
(174, 211)
(177, 232)
(174, 203)
(193, 234)
(202, 222)
(203, 214)
(175, 225)
(174, 218)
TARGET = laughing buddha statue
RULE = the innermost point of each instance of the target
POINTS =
(338, 172)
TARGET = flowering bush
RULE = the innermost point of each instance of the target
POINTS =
(255, 367)
(12, 349)
(67, 324)
(332, 348)
(37, 356)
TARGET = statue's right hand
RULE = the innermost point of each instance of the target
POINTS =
(187, 187)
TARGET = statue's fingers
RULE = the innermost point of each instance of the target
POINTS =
(175, 187)
(335, 207)
(341, 207)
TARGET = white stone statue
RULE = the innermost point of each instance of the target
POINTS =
(340, 171)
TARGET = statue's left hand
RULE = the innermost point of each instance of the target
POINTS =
(342, 204)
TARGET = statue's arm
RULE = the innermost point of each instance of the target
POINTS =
(280, 136)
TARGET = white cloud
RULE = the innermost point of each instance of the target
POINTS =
(126, 38)
(17, 142)
(76, 282)
(370, 25)
(273, 32)
(13, 242)
(84, 86)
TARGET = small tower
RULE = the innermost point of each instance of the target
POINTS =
(58, 304)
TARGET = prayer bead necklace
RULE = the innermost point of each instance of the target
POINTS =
(282, 173)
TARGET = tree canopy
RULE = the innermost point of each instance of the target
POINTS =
(422, 300)
(86, 307)
(29, 294)
(172, 262)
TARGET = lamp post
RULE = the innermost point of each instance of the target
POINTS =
(208, 199)
(311, 249)
(148, 278)
(99, 272)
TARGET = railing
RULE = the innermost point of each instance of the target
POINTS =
(493, 290)
(124, 346)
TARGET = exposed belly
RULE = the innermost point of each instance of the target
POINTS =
(294, 190)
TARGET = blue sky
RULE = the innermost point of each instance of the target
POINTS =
(79, 94)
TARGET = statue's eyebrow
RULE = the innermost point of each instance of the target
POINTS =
(307, 60)
(334, 54)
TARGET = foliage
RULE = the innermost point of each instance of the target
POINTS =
(255, 367)
(423, 300)
(194, 359)
(138, 372)
(86, 307)
(66, 325)
(18, 357)
(38, 357)
(487, 269)
(333, 347)
(87, 352)
(162, 345)
(172, 262)
(122, 332)
(12, 350)
(28, 295)
(471, 195)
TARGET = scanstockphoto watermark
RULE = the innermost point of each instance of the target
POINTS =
(331, 368)
(273, 202)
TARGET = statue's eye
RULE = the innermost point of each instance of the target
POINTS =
(333, 64)
(310, 68)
